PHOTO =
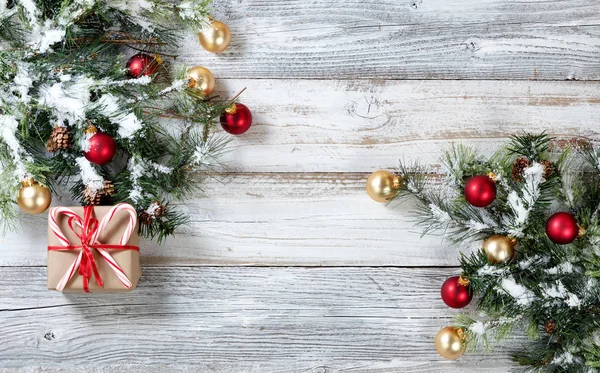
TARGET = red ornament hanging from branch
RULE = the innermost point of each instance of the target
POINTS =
(237, 119)
(143, 64)
(562, 228)
(480, 191)
(456, 292)
(102, 147)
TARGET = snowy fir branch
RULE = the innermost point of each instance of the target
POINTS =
(546, 288)
(62, 70)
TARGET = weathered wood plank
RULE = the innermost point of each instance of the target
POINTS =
(412, 39)
(275, 219)
(359, 126)
(235, 320)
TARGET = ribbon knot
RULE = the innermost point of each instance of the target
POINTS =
(87, 230)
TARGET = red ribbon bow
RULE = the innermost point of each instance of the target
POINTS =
(88, 230)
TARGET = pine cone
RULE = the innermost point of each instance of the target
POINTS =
(548, 168)
(60, 138)
(518, 167)
(95, 197)
(160, 209)
(550, 326)
(145, 218)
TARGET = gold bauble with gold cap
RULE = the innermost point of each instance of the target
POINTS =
(499, 249)
(201, 79)
(450, 342)
(33, 197)
(215, 38)
(382, 185)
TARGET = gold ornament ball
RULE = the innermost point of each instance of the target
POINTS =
(34, 198)
(499, 249)
(383, 185)
(449, 344)
(202, 79)
(215, 38)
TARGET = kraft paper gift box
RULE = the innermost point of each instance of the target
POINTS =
(62, 258)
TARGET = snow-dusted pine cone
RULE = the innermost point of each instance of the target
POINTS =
(95, 197)
(518, 167)
(145, 218)
(159, 209)
(548, 168)
(60, 138)
(550, 326)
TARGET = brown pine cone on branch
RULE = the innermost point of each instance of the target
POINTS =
(550, 326)
(145, 218)
(548, 168)
(95, 197)
(159, 209)
(518, 167)
(60, 138)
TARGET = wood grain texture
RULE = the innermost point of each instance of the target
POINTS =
(409, 39)
(275, 219)
(361, 126)
(235, 320)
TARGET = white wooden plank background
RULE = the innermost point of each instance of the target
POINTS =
(408, 39)
(236, 320)
(337, 89)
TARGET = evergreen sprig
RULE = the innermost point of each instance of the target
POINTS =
(62, 63)
(550, 291)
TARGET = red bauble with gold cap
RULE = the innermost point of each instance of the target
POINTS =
(102, 147)
(562, 228)
(142, 64)
(456, 292)
(480, 191)
(237, 119)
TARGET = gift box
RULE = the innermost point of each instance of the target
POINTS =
(93, 249)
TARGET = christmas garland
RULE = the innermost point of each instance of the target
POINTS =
(72, 113)
(532, 211)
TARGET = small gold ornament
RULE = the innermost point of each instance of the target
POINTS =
(450, 342)
(499, 249)
(34, 198)
(382, 185)
(215, 38)
(202, 79)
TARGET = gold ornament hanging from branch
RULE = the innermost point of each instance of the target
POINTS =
(382, 185)
(499, 249)
(33, 197)
(215, 38)
(201, 79)
(450, 342)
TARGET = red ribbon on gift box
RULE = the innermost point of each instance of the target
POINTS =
(89, 231)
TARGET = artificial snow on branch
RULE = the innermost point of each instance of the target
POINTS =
(72, 112)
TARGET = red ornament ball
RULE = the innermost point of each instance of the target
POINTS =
(237, 119)
(142, 64)
(562, 228)
(480, 191)
(454, 294)
(102, 149)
